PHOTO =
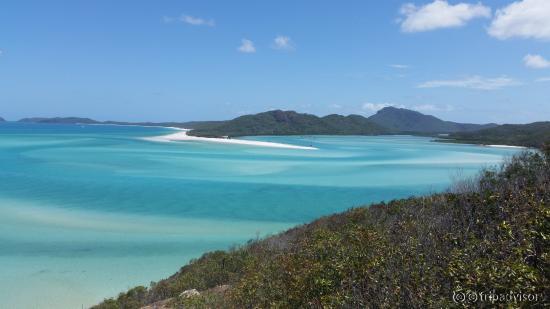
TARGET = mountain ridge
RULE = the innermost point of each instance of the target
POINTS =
(279, 122)
(389, 120)
(405, 120)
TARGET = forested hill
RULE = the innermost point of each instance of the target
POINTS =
(388, 120)
(529, 135)
(279, 122)
(405, 120)
(488, 235)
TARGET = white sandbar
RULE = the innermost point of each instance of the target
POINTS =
(505, 146)
(182, 136)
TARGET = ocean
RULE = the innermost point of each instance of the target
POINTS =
(87, 211)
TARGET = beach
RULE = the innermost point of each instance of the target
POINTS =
(182, 136)
(506, 146)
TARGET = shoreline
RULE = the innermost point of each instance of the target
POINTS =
(181, 136)
(459, 142)
(506, 146)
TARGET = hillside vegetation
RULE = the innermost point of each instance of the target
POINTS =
(491, 234)
(388, 120)
(292, 123)
(529, 135)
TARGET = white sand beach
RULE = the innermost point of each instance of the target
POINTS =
(506, 146)
(182, 136)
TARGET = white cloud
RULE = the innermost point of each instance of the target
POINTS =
(197, 21)
(399, 66)
(190, 20)
(524, 19)
(335, 106)
(247, 46)
(374, 107)
(433, 108)
(440, 14)
(473, 82)
(543, 79)
(536, 62)
(283, 43)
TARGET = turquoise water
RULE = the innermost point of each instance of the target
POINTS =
(88, 211)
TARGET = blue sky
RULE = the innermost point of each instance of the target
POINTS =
(182, 60)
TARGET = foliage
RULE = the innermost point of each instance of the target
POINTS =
(279, 122)
(528, 135)
(415, 252)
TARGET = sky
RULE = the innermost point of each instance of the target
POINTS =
(180, 60)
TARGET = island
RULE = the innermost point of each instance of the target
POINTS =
(387, 121)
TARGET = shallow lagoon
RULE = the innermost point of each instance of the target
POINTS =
(88, 211)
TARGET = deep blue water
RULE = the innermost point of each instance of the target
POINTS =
(87, 211)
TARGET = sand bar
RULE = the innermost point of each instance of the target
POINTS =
(505, 146)
(182, 136)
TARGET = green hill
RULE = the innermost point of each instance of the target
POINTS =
(279, 122)
(529, 135)
(407, 121)
(488, 235)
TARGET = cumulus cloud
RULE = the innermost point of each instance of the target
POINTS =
(374, 107)
(523, 19)
(473, 82)
(247, 46)
(536, 62)
(283, 43)
(440, 14)
(190, 20)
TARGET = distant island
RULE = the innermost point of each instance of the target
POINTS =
(80, 120)
(2, 119)
(387, 121)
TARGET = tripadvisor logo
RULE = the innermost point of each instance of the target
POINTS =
(470, 297)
